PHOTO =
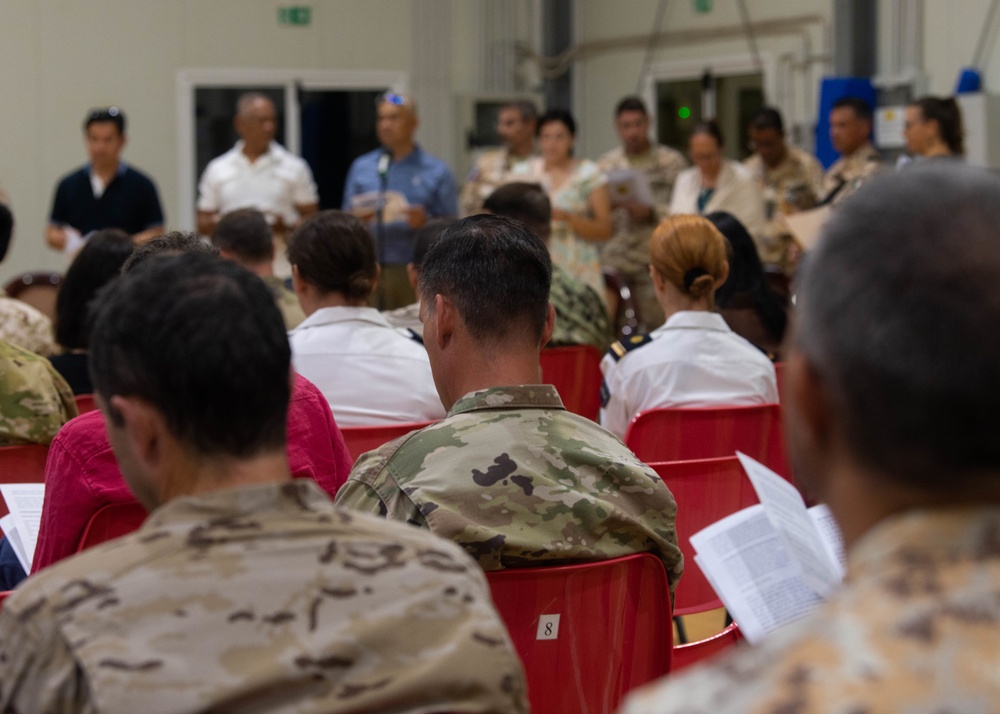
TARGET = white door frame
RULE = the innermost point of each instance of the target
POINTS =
(291, 79)
(694, 69)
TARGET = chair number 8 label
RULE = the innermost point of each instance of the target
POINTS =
(548, 627)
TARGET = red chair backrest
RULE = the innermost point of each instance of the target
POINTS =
(21, 464)
(613, 631)
(85, 403)
(706, 649)
(111, 521)
(685, 433)
(706, 491)
(362, 439)
(575, 372)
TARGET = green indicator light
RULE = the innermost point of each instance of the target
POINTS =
(684, 112)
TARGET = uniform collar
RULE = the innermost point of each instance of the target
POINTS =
(335, 315)
(524, 396)
(693, 320)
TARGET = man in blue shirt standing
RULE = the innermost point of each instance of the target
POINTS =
(409, 184)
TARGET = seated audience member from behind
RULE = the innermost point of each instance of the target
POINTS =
(244, 237)
(20, 323)
(509, 475)
(244, 588)
(35, 400)
(694, 359)
(370, 372)
(408, 317)
(581, 317)
(98, 263)
(892, 391)
(746, 301)
(82, 475)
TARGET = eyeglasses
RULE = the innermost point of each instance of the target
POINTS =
(391, 98)
(104, 114)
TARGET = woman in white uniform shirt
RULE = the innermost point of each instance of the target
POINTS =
(714, 183)
(370, 372)
(694, 359)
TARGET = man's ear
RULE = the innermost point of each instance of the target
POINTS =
(809, 421)
(550, 325)
(298, 284)
(445, 317)
(143, 430)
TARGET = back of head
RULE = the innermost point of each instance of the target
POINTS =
(524, 202)
(172, 243)
(334, 252)
(201, 340)
(948, 115)
(862, 109)
(98, 263)
(246, 235)
(497, 273)
(689, 253)
(897, 310)
(426, 236)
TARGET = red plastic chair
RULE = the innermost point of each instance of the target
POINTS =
(575, 372)
(685, 433)
(706, 490)
(362, 439)
(706, 649)
(111, 521)
(612, 631)
(21, 464)
(85, 403)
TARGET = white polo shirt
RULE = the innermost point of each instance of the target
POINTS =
(370, 372)
(693, 360)
(275, 183)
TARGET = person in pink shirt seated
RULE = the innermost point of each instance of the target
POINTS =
(82, 475)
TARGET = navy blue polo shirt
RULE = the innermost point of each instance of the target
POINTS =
(129, 202)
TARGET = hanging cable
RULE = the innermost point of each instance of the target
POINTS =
(751, 37)
(647, 61)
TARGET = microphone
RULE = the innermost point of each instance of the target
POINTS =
(383, 164)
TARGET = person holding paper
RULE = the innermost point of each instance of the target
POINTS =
(106, 193)
(639, 162)
(892, 390)
(694, 359)
(516, 122)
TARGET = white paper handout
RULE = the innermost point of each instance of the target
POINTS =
(629, 185)
(394, 205)
(774, 562)
(24, 501)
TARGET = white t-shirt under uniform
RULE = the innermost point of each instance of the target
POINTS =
(692, 360)
(274, 184)
(370, 372)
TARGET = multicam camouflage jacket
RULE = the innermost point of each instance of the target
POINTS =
(581, 316)
(515, 479)
(35, 400)
(260, 599)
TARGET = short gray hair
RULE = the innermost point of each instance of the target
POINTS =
(246, 99)
(899, 312)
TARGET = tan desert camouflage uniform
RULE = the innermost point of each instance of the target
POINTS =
(259, 599)
(516, 480)
(490, 172)
(915, 629)
(628, 250)
(796, 184)
(25, 326)
(851, 172)
(581, 317)
(35, 400)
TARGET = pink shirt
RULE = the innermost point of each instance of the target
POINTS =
(81, 473)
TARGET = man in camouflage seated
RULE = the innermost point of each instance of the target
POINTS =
(509, 474)
(35, 400)
(244, 590)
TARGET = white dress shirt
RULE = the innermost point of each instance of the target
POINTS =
(694, 360)
(370, 372)
(736, 191)
(275, 183)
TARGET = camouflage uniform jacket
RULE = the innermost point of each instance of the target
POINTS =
(35, 400)
(796, 184)
(291, 310)
(25, 326)
(628, 249)
(515, 479)
(490, 172)
(260, 599)
(914, 629)
(850, 172)
(581, 317)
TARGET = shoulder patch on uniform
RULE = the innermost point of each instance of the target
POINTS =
(414, 335)
(620, 348)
